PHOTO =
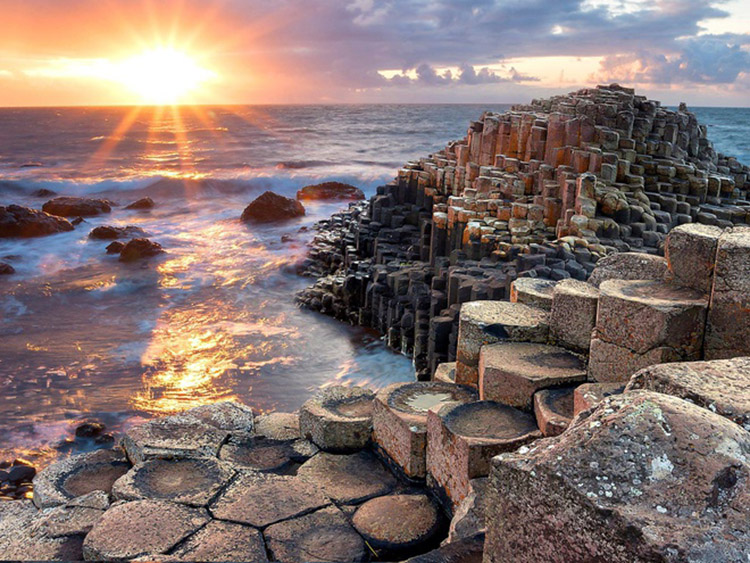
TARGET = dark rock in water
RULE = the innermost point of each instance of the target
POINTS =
(331, 190)
(286, 238)
(143, 203)
(77, 221)
(43, 192)
(21, 474)
(140, 248)
(89, 429)
(107, 232)
(17, 221)
(270, 207)
(6, 269)
(32, 164)
(115, 247)
(75, 206)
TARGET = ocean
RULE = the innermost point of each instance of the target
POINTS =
(83, 336)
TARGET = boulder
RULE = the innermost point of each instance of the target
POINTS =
(115, 247)
(270, 207)
(329, 191)
(6, 269)
(629, 266)
(139, 248)
(643, 477)
(17, 221)
(338, 418)
(143, 203)
(107, 232)
(76, 207)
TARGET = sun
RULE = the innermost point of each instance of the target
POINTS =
(163, 76)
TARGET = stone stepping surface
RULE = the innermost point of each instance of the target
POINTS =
(278, 426)
(400, 420)
(395, 526)
(338, 419)
(223, 541)
(77, 476)
(591, 394)
(141, 527)
(261, 499)
(268, 455)
(462, 438)
(534, 292)
(553, 409)
(348, 479)
(511, 372)
(187, 481)
(445, 372)
(324, 535)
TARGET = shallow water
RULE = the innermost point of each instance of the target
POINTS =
(84, 336)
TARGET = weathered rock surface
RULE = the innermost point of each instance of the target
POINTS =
(468, 517)
(278, 426)
(115, 247)
(533, 292)
(76, 207)
(141, 527)
(138, 249)
(17, 221)
(553, 409)
(263, 454)
(589, 395)
(270, 207)
(107, 232)
(338, 419)
(331, 191)
(78, 475)
(465, 550)
(143, 203)
(691, 253)
(573, 315)
(260, 499)
(629, 266)
(397, 525)
(644, 477)
(348, 479)
(325, 535)
(223, 541)
(721, 386)
(186, 481)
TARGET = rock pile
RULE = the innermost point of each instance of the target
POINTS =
(544, 191)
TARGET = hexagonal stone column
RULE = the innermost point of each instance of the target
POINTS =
(223, 541)
(629, 266)
(573, 315)
(77, 476)
(397, 526)
(691, 254)
(487, 322)
(553, 409)
(728, 327)
(462, 438)
(534, 292)
(445, 372)
(640, 323)
(400, 420)
(511, 372)
(589, 395)
(338, 419)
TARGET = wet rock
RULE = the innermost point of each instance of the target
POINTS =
(468, 517)
(227, 415)
(270, 207)
(348, 479)
(720, 386)
(141, 527)
(17, 221)
(331, 190)
(173, 436)
(263, 454)
(115, 247)
(76, 207)
(398, 525)
(260, 499)
(553, 409)
(186, 481)
(223, 541)
(626, 483)
(400, 420)
(138, 249)
(511, 372)
(629, 266)
(143, 203)
(89, 429)
(107, 232)
(338, 418)
(589, 395)
(325, 535)
(77, 221)
(278, 426)
(6, 269)
(21, 473)
(462, 438)
(77, 476)
(43, 192)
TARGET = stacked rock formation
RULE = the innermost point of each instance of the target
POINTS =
(544, 191)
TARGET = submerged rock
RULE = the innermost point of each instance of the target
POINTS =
(269, 207)
(76, 206)
(17, 221)
(6, 269)
(643, 477)
(331, 190)
(43, 192)
(139, 248)
(107, 232)
(115, 247)
(143, 203)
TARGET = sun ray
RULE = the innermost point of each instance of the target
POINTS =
(110, 143)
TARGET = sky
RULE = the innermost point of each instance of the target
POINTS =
(114, 52)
